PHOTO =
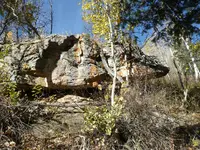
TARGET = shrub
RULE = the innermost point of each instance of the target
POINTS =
(10, 90)
(37, 91)
(6, 50)
(102, 119)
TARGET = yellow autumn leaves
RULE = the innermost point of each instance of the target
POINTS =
(96, 13)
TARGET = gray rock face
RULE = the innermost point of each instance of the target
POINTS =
(162, 51)
(66, 62)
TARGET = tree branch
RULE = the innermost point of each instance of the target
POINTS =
(108, 69)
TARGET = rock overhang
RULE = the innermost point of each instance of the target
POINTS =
(66, 62)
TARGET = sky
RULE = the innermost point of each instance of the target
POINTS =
(67, 17)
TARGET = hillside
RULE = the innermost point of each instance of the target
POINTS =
(55, 94)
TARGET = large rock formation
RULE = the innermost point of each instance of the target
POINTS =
(75, 61)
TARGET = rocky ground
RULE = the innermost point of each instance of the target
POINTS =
(150, 120)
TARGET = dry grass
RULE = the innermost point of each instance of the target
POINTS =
(152, 119)
(14, 122)
(10, 124)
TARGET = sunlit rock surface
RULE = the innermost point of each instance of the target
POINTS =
(68, 62)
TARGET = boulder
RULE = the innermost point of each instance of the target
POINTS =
(163, 51)
(76, 61)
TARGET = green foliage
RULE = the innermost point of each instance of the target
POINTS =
(185, 56)
(6, 50)
(12, 92)
(195, 142)
(1, 12)
(102, 119)
(176, 18)
(196, 46)
(9, 89)
(195, 49)
(52, 98)
(23, 15)
(37, 91)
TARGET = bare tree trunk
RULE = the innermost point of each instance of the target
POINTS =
(110, 72)
(184, 87)
(113, 58)
(51, 12)
(177, 69)
(196, 69)
(126, 66)
(114, 64)
(17, 34)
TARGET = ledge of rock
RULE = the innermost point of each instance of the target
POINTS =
(68, 62)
